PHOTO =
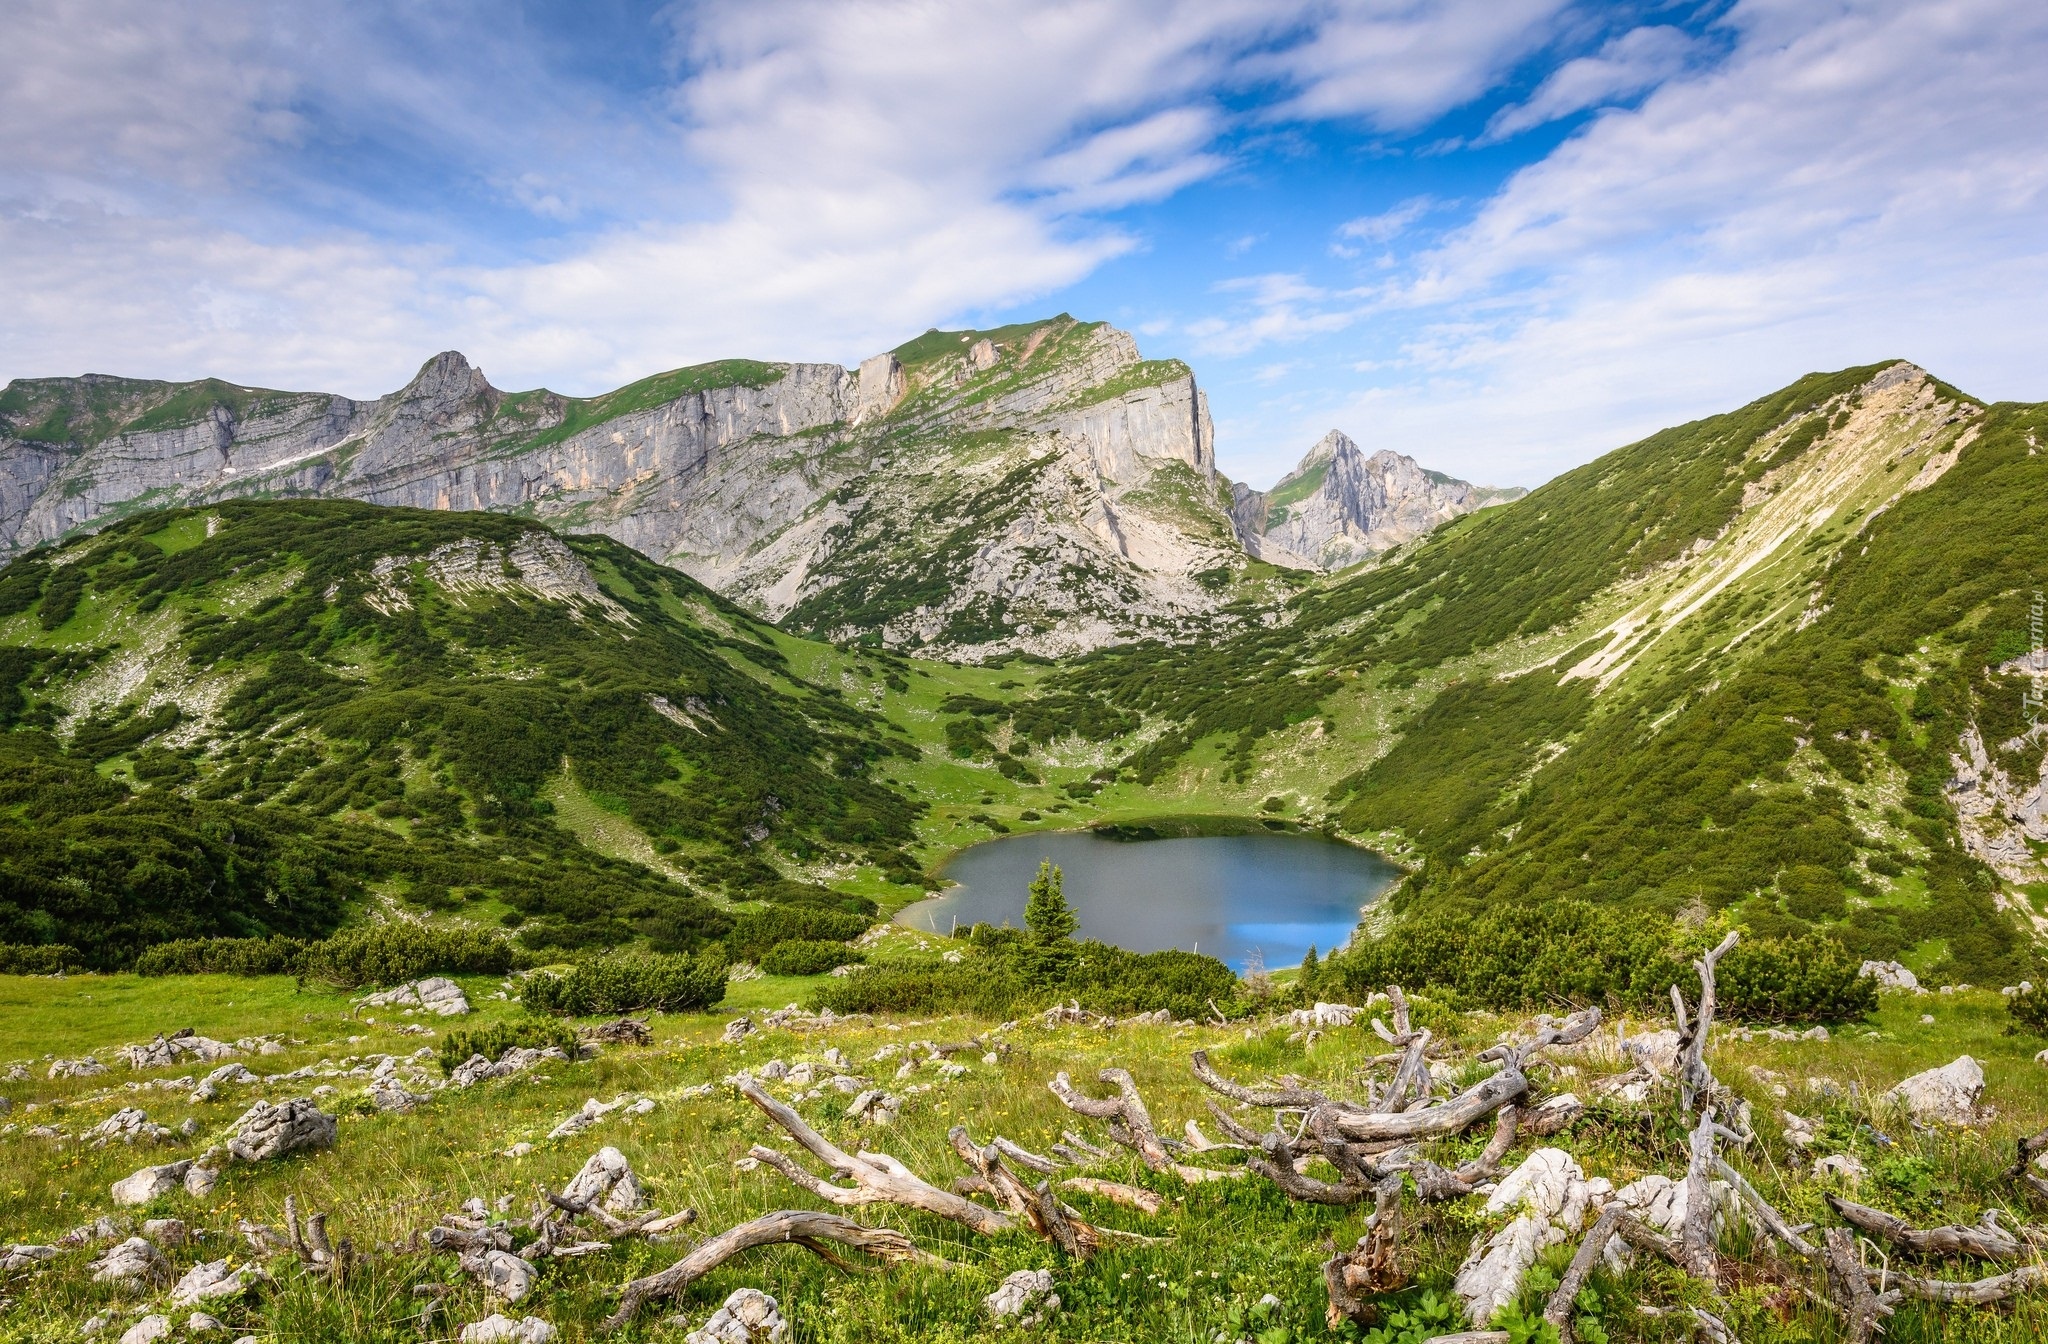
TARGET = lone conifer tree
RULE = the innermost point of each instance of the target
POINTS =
(1047, 915)
(1310, 982)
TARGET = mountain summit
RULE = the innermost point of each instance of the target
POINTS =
(1340, 507)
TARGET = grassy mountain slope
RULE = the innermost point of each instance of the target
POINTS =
(247, 719)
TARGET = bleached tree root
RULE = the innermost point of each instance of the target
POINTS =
(1976, 1292)
(814, 1231)
(1130, 1124)
(1986, 1240)
(877, 1177)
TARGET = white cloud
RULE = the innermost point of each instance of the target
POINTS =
(1639, 59)
(1856, 181)
(1388, 224)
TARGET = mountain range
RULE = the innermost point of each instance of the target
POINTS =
(1777, 662)
(1038, 487)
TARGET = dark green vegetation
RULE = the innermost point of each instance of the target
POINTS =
(397, 693)
(492, 1040)
(629, 982)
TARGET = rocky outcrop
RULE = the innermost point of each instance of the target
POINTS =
(1040, 488)
(1339, 507)
(1948, 1094)
(266, 1131)
(436, 994)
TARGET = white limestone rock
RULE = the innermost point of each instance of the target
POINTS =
(25, 1256)
(436, 994)
(77, 1068)
(214, 1281)
(609, 1176)
(1322, 1015)
(504, 1274)
(175, 1048)
(127, 1125)
(496, 1329)
(150, 1183)
(266, 1131)
(148, 1330)
(1025, 1297)
(1842, 1165)
(1948, 1094)
(134, 1263)
(1890, 975)
(748, 1316)
(1554, 1196)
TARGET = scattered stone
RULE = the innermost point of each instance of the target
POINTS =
(1554, 1115)
(134, 1263)
(1948, 1094)
(520, 1149)
(775, 1070)
(25, 1256)
(165, 1051)
(737, 1030)
(199, 1323)
(205, 1173)
(150, 1183)
(213, 1281)
(148, 1330)
(1025, 1296)
(506, 1275)
(1841, 1164)
(496, 1329)
(1799, 1131)
(266, 1131)
(99, 1229)
(516, 1060)
(127, 1125)
(954, 957)
(98, 1321)
(800, 1074)
(1553, 1194)
(1322, 1015)
(1927, 1019)
(1890, 975)
(1656, 1051)
(389, 1096)
(749, 1316)
(436, 994)
(609, 1175)
(170, 1232)
(77, 1068)
(595, 1110)
(624, 1031)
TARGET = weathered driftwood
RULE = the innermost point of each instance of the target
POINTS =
(1695, 1079)
(1272, 1098)
(1773, 1221)
(1986, 1239)
(1849, 1285)
(1129, 1196)
(877, 1178)
(310, 1243)
(1558, 1311)
(794, 1227)
(1696, 1230)
(1434, 1183)
(1130, 1123)
(1370, 1268)
(1976, 1292)
(1034, 1206)
(2022, 1170)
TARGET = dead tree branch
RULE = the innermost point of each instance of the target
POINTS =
(1130, 1124)
(1976, 1293)
(1695, 1079)
(1986, 1240)
(1849, 1285)
(797, 1227)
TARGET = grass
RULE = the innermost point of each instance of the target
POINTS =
(1227, 1244)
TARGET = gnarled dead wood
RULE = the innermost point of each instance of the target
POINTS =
(1434, 1184)
(1986, 1240)
(1558, 1311)
(2022, 1170)
(1272, 1098)
(1695, 1079)
(1411, 1078)
(795, 1227)
(1370, 1267)
(877, 1177)
(1773, 1221)
(1448, 1117)
(1975, 1293)
(1696, 1230)
(1849, 1285)
(1129, 1196)
(1024, 1157)
(1130, 1124)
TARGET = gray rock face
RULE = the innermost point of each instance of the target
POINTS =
(436, 994)
(500, 1329)
(748, 1316)
(134, 1263)
(266, 1131)
(1948, 1094)
(1025, 1296)
(607, 1176)
(1339, 507)
(1049, 492)
(150, 1183)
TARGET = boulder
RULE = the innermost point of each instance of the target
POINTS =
(518, 1059)
(167, 1231)
(127, 1125)
(150, 1183)
(737, 1030)
(388, 1095)
(134, 1263)
(1656, 1051)
(609, 1176)
(749, 1316)
(77, 1068)
(148, 1330)
(1553, 1195)
(623, 1031)
(436, 994)
(213, 1281)
(266, 1131)
(1842, 1165)
(25, 1256)
(1890, 975)
(496, 1329)
(1948, 1094)
(204, 1175)
(178, 1046)
(506, 1275)
(1025, 1297)
(199, 1323)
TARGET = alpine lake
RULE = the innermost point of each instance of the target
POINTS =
(1250, 898)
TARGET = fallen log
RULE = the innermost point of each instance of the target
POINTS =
(2022, 1170)
(1986, 1239)
(795, 1227)
(1975, 1293)
(877, 1178)
(1130, 1196)
(1130, 1124)
(1849, 1286)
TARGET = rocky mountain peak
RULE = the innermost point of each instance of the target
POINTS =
(1339, 507)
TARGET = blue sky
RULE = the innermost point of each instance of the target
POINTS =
(1500, 235)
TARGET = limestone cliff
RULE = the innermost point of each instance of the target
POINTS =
(1339, 506)
(1038, 487)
